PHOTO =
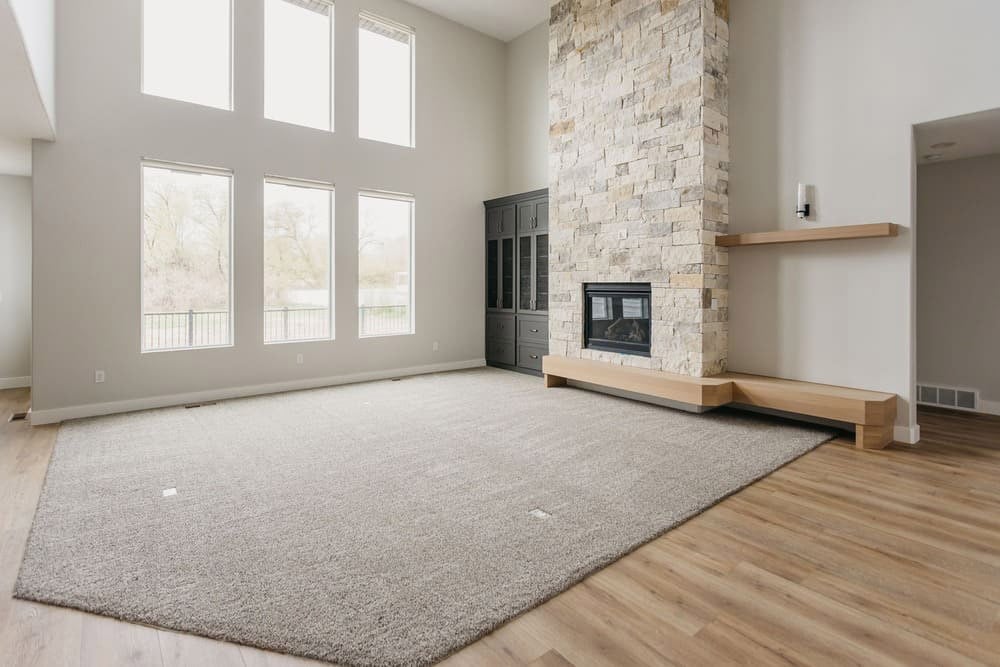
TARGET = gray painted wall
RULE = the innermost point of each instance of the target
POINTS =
(958, 276)
(528, 111)
(15, 280)
(826, 93)
(87, 220)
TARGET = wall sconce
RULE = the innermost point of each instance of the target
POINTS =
(802, 209)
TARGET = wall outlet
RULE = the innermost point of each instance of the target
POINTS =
(435, 347)
(299, 358)
(99, 377)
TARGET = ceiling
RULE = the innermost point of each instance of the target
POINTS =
(973, 135)
(22, 112)
(503, 19)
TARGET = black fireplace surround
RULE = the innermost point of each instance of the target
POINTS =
(616, 317)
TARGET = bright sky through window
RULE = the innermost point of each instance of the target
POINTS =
(385, 81)
(187, 51)
(298, 62)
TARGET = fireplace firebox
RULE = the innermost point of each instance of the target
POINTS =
(616, 317)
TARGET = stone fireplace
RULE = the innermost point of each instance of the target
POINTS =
(639, 158)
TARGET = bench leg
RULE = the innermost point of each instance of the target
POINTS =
(554, 381)
(872, 437)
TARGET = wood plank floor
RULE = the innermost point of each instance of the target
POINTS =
(842, 557)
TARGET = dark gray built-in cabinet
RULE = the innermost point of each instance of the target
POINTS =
(517, 281)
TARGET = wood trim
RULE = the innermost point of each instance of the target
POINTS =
(876, 230)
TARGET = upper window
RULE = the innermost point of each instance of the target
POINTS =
(298, 260)
(385, 264)
(298, 62)
(186, 257)
(187, 51)
(385, 81)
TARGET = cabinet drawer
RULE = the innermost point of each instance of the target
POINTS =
(500, 351)
(500, 327)
(533, 330)
(530, 356)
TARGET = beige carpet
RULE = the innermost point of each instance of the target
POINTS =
(386, 523)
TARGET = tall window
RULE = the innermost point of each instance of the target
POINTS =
(186, 257)
(385, 264)
(298, 62)
(385, 81)
(187, 50)
(298, 260)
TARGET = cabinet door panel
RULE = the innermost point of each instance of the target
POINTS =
(525, 288)
(542, 216)
(542, 272)
(492, 273)
(500, 351)
(500, 327)
(507, 273)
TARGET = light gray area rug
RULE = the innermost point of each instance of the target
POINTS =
(386, 523)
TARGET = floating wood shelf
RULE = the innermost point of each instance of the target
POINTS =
(877, 230)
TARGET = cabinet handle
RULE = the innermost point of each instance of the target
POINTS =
(534, 356)
(534, 331)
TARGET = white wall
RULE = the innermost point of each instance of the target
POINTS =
(15, 281)
(15, 156)
(87, 219)
(826, 93)
(958, 275)
(528, 111)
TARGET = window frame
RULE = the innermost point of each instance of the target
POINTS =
(157, 163)
(376, 18)
(331, 271)
(232, 61)
(333, 74)
(412, 201)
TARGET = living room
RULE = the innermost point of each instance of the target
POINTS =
(589, 332)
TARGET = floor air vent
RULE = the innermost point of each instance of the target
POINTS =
(18, 417)
(948, 397)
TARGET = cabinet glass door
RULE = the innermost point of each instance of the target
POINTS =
(542, 272)
(525, 259)
(507, 273)
(492, 273)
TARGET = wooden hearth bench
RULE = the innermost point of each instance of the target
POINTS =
(873, 413)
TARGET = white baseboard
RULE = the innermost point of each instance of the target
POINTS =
(15, 383)
(56, 415)
(989, 407)
(909, 435)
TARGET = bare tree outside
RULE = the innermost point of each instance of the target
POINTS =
(297, 261)
(185, 258)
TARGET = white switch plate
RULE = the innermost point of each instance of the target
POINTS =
(169, 492)
(299, 359)
(715, 304)
(436, 346)
(99, 377)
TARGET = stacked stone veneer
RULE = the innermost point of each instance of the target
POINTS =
(638, 172)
